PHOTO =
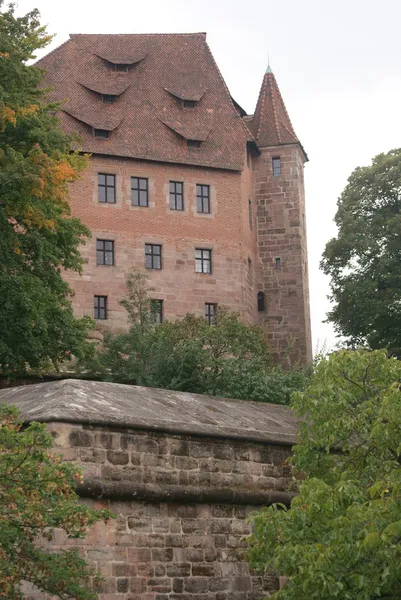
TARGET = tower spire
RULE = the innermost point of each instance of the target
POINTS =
(271, 124)
(268, 69)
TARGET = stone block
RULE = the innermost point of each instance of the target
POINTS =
(117, 457)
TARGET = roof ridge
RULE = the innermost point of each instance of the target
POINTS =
(226, 88)
(72, 35)
(52, 51)
(270, 76)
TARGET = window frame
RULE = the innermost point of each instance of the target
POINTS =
(261, 301)
(111, 98)
(97, 308)
(250, 214)
(153, 255)
(189, 104)
(276, 166)
(175, 195)
(139, 189)
(104, 252)
(101, 134)
(106, 187)
(121, 67)
(193, 143)
(201, 197)
(205, 258)
(210, 315)
(156, 317)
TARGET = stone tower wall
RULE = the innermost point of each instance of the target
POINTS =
(281, 234)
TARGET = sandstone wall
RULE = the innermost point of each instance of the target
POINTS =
(181, 504)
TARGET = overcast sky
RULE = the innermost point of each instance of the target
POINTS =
(338, 65)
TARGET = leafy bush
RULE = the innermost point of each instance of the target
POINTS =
(228, 359)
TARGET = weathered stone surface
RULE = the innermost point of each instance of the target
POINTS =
(163, 410)
(180, 500)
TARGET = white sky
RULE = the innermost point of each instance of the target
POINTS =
(337, 63)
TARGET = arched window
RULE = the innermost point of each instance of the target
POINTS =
(261, 302)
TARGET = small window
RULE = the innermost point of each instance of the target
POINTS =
(189, 103)
(105, 252)
(210, 313)
(108, 98)
(261, 302)
(102, 134)
(203, 260)
(106, 188)
(276, 164)
(278, 264)
(156, 311)
(139, 191)
(193, 143)
(100, 307)
(202, 198)
(153, 256)
(121, 68)
(250, 214)
(176, 195)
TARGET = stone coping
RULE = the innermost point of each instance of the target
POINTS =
(126, 406)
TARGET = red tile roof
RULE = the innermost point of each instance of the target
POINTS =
(146, 120)
(271, 125)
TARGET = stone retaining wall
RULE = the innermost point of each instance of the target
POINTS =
(181, 504)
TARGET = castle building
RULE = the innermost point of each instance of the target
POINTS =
(184, 185)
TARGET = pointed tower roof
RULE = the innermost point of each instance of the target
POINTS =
(271, 124)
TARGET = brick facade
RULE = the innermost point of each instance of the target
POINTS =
(255, 217)
(181, 504)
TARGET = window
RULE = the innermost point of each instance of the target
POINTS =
(203, 260)
(250, 213)
(261, 302)
(193, 143)
(108, 98)
(153, 256)
(202, 198)
(210, 313)
(104, 252)
(121, 68)
(276, 164)
(176, 195)
(156, 311)
(106, 186)
(101, 133)
(100, 307)
(189, 103)
(139, 191)
(278, 264)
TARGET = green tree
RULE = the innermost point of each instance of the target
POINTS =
(341, 538)
(38, 238)
(36, 497)
(228, 359)
(364, 260)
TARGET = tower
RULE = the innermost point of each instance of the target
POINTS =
(282, 267)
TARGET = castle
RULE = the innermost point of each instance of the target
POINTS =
(184, 184)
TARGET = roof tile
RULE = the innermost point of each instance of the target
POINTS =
(180, 63)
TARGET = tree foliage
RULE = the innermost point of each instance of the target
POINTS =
(227, 359)
(36, 497)
(364, 260)
(38, 238)
(341, 538)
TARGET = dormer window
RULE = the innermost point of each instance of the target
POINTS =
(193, 143)
(101, 134)
(108, 99)
(189, 103)
(121, 68)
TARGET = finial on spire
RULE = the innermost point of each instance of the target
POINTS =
(268, 70)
